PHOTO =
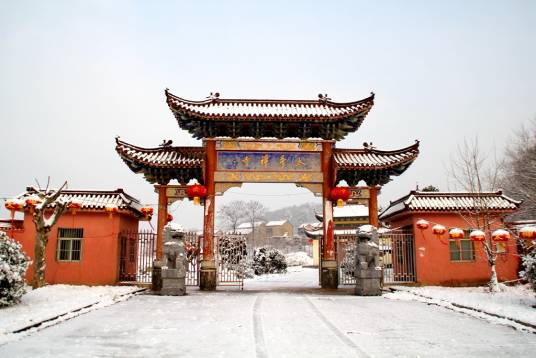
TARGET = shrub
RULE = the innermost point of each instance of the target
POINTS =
(529, 268)
(268, 261)
(13, 266)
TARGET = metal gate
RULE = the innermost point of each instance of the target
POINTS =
(231, 255)
(397, 255)
(398, 250)
(193, 245)
(137, 253)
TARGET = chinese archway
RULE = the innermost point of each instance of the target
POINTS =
(266, 141)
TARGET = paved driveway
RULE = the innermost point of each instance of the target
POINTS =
(280, 323)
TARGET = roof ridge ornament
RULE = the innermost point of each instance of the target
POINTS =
(323, 98)
(214, 96)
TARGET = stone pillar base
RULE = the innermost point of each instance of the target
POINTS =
(156, 277)
(329, 276)
(207, 277)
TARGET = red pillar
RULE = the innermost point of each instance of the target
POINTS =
(373, 206)
(162, 219)
(208, 266)
(329, 277)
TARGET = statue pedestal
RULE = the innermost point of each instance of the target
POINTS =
(169, 277)
(173, 282)
(368, 282)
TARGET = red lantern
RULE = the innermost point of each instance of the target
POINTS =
(196, 191)
(32, 201)
(111, 209)
(169, 217)
(340, 194)
(500, 235)
(147, 211)
(439, 229)
(75, 205)
(422, 224)
(527, 232)
(456, 233)
(477, 235)
(14, 205)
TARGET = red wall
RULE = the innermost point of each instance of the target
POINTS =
(432, 258)
(99, 264)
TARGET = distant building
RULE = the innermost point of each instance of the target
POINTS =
(279, 228)
(438, 260)
(85, 246)
(346, 220)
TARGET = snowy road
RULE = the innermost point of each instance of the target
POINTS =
(280, 323)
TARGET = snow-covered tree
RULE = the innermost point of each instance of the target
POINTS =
(255, 211)
(528, 261)
(476, 173)
(232, 214)
(50, 200)
(13, 266)
(518, 178)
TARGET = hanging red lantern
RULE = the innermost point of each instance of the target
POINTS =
(422, 224)
(14, 205)
(477, 235)
(74, 206)
(147, 211)
(439, 229)
(169, 217)
(32, 201)
(500, 235)
(527, 232)
(197, 192)
(340, 194)
(111, 209)
(456, 233)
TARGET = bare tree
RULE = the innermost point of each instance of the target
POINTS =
(43, 226)
(519, 175)
(477, 173)
(254, 212)
(232, 214)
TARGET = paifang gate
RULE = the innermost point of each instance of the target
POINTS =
(266, 141)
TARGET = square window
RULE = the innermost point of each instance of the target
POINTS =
(70, 244)
(461, 250)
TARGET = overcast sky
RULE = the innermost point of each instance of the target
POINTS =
(74, 74)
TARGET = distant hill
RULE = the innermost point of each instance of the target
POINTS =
(296, 214)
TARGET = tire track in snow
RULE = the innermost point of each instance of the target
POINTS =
(335, 330)
(260, 345)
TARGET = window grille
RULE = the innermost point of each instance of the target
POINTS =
(70, 244)
(462, 250)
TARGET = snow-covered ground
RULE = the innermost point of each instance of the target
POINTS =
(51, 301)
(514, 302)
(271, 318)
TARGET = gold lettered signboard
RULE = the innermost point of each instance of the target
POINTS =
(268, 161)
(359, 195)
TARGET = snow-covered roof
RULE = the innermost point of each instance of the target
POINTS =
(248, 225)
(276, 223)
(96, 200)
(451, 201)
(347, 211)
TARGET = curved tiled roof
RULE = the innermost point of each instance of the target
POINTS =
(162, 157)
(162, 164)
(375, 167)
(369, 158)
(451, 201)
(96, 200)
(258, 118)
